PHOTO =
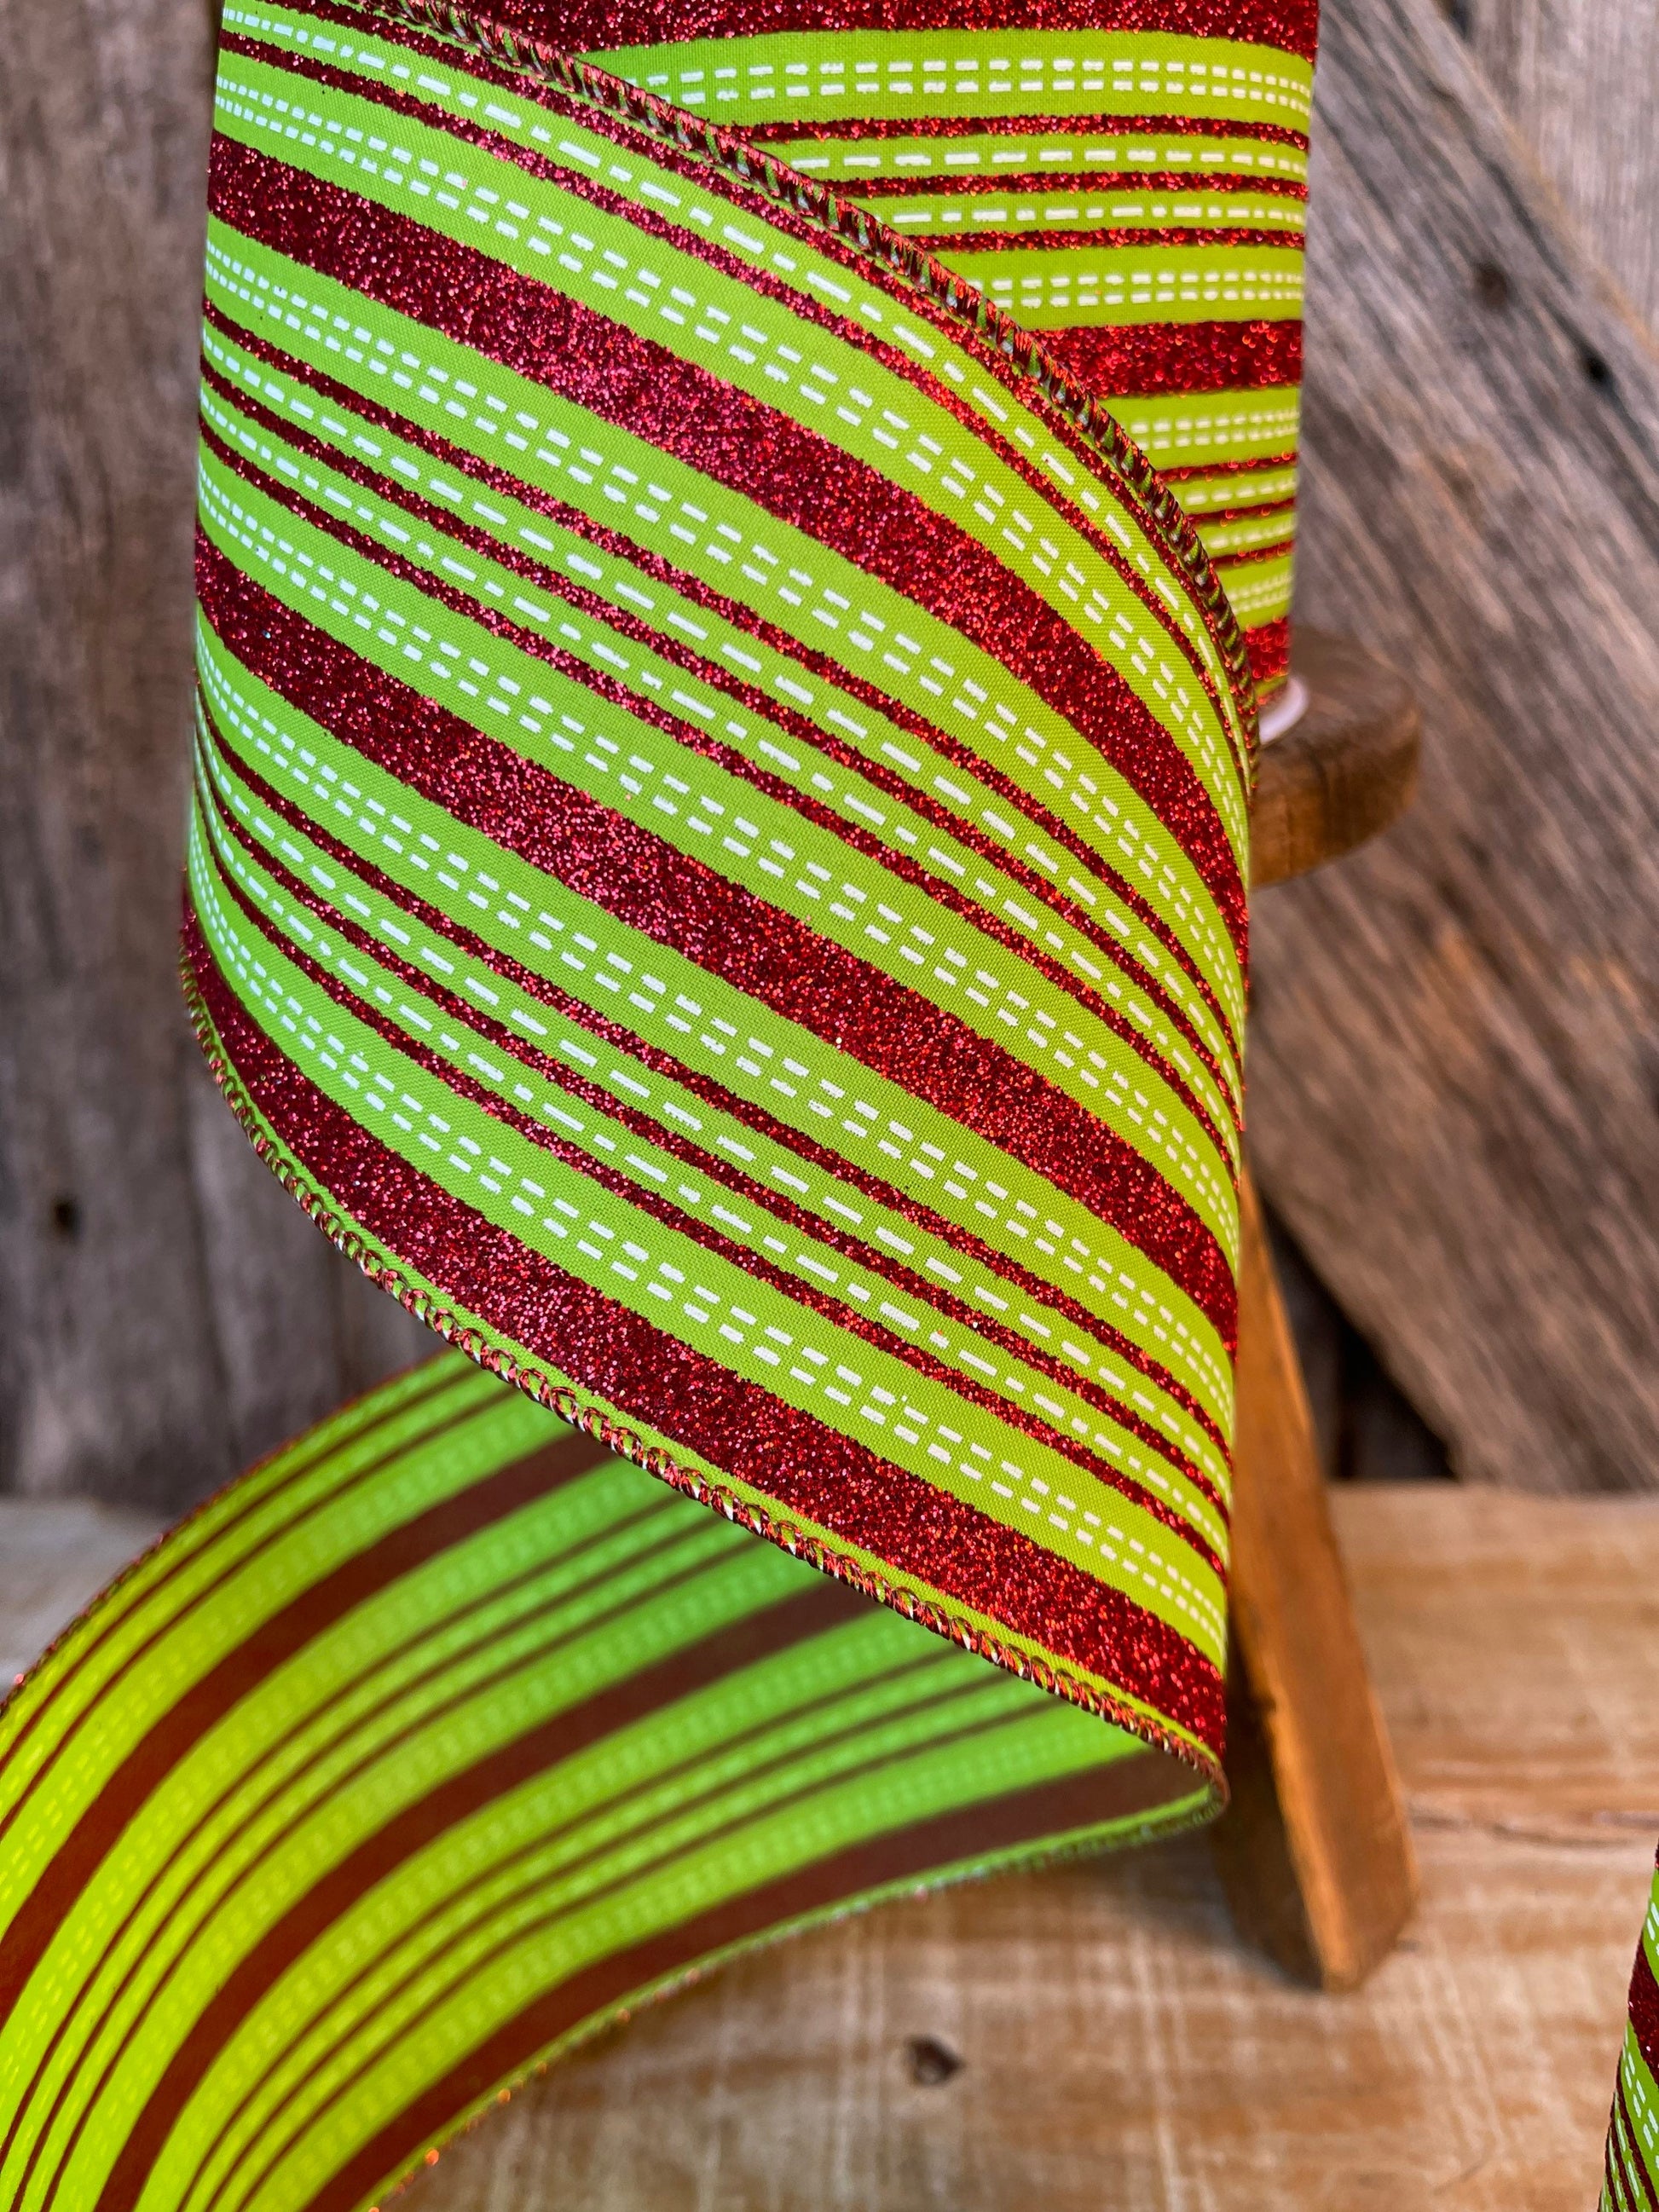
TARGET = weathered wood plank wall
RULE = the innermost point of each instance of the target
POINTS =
(1580, 81)
(165, 1310)
(1455, 1072)
(1457, 1053)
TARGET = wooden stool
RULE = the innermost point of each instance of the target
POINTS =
(1315, 1850)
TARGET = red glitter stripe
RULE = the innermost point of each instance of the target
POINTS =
(888, 1269)
(744, 443)
(752, 1117)
(1644, 2008)
(1056, 180)
(1248, 556)
(788, 131)
(1289, 25)
(1190, 472)
(1136, 361)
(1044, 240)
(680, 902)
(1270, 650)
(808, 808)
(1208, 516)
(740, 1427)
(754, 624)
(1058, 636)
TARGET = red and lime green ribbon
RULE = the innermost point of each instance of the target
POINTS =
(718, 875)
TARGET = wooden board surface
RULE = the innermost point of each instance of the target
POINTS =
(1121, 2050)
(1455, 1059)
(1314, 1849)
(1345, 771)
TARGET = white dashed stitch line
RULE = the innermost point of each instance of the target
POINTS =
(1066, 211)
(1192, 1169)
(1246, 533)
(1218, 746)
(866, 158)
(1211, 431)
(598, 1241)
(1258, 591)
(1035, 928)
(1268, 284)
(1127, 847)
(1269, 485)
(929, 1170)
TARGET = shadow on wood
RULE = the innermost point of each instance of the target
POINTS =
(1314, 1851)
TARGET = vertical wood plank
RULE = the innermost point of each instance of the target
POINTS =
(1315, 1848)
(165, 1312)
(1454, 1056)
(1579, 79)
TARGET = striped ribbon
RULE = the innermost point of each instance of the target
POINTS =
(718, 875)
(1630, 2173)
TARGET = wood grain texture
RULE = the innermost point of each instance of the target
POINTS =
(1122, 2051)
(1579, 79)
(165, 1310)
(1454, 1069)
(1344, 772)
(1315, 1850)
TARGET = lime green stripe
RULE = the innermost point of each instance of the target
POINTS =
(1260, 590)
(450, 1743)
(287, 1744)
(1096, 156)
(711, 1305)
(1247, 531)
(871, 74)
(757, 1056)
(1642, 2095)
(937, 668)
(628, 783)
(1059, 206)
(1198, 430)
(458, 1899)
(1202, 495)
(537, 1372)
(683, 1113)
(287, 1741)
(778, 352)
(225, 1529)
(921, 1786)
(1048, 288)
(838, 1204)
(815, 75)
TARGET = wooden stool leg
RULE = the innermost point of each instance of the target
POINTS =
(1314, 1849)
